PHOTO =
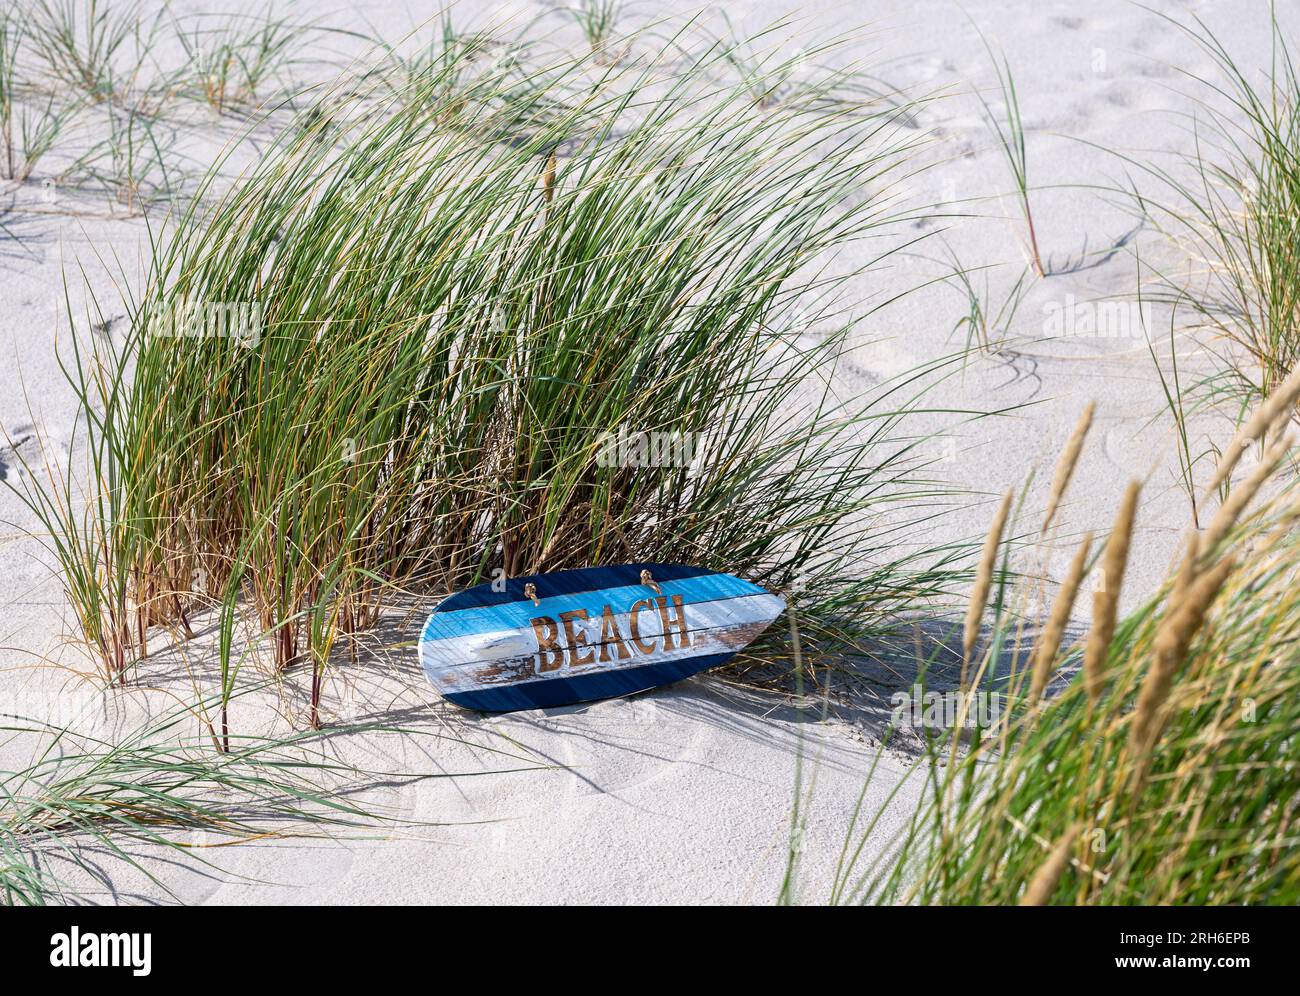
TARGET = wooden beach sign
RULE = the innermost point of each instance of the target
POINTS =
(573, 636)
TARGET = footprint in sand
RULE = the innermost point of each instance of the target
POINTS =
(15, 451)
(1069, 23)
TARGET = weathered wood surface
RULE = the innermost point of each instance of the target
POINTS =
(594, 633)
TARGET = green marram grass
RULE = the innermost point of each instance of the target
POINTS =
(1231, 207)
(598, 21)
(1164, 773)
(391, 358)
(1009, 130)
(1166, 770)
(231, 60)
(30, 122)
(85, 801)
(99, 48)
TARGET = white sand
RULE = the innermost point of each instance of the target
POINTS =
(684, 795)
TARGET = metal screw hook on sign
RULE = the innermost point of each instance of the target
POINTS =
(647, 579)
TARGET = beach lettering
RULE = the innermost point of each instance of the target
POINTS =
(565, 641)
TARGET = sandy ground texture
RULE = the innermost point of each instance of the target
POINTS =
(684, 795)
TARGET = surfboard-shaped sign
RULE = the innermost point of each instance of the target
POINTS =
(573, 636)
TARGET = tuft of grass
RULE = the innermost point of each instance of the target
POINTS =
(28, 127)
(83, 798)
(76, 517)
(1231, 207)
(762, 72)
(459, 69)
(405, 357)
(1010, 131)
(1163, 774)
(96, 47)
(11, 36)
(230, 60)
(598, 20)
(132, 163)
(985, 325)
(39, 127)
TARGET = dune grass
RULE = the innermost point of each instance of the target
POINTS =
(598, 20)
(82, 794)
(11, 34)
(133, 163)
(398, 357)
(453, 58)
(1009, 129)
(1164, 772)
(985, 325)
(394, 357)
(1231, 207)
(98, 47)
(29, 125)
(231, 59)
(87, 801)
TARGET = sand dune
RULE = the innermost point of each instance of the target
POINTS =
(683, 795)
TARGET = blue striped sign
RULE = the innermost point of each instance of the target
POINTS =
(573, 636)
